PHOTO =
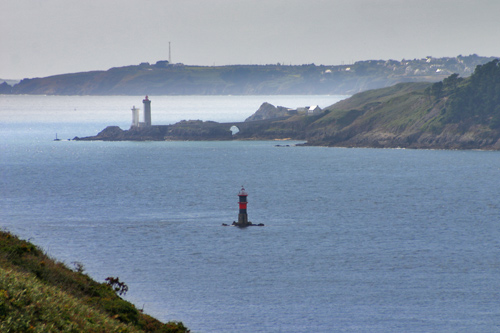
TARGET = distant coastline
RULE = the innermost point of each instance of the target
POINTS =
(163, 78)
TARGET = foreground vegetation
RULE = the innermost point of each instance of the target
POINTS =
(38, 294)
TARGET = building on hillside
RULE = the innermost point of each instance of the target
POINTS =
(314, 110)
(303, 109)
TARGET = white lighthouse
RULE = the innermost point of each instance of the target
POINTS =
(135, 117)
(147, 111)
(146, 114)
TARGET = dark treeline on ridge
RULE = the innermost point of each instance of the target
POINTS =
(476, 98)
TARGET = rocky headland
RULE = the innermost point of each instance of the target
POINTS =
(456, 113)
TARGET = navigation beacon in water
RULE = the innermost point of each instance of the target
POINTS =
(243, 216)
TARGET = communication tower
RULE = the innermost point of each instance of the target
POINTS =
(169, 54)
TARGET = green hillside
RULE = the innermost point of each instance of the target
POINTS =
(38, 294)
(456, 113)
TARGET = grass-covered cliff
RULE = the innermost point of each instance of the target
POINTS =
(38, 294)
(456, 113)
(169, 79)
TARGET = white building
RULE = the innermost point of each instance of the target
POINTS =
(314, 110)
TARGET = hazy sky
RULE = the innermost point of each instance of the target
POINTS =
(47, 37)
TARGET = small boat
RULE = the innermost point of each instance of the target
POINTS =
(56, 139)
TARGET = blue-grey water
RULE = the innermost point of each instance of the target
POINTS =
(368, 240)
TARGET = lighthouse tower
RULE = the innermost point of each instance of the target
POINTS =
(147, 111)
(135, 117)
(242, 216)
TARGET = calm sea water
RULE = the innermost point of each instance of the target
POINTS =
(370, 240)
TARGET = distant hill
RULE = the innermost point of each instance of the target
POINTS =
(163, 78)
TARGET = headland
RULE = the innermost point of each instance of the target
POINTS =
(456, 113)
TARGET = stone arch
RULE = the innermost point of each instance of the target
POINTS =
(234, 129)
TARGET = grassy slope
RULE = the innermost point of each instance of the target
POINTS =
(386, 104)
(39, 294)
(387, 111)
(26, 304)
(404, 115)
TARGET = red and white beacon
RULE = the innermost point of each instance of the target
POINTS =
(243, 216)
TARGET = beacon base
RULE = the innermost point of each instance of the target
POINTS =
(243, 225)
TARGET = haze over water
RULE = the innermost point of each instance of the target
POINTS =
(355, 239)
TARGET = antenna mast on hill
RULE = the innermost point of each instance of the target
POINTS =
(169, 54)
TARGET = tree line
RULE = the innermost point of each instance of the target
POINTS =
(476, 98)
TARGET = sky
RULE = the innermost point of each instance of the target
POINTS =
(48, 37)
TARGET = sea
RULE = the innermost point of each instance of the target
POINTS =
(355, 240)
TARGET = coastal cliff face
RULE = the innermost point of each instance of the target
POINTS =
(454, 113)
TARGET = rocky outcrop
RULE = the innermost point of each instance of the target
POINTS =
(115, 133)
(268, 111)
(5, 88)
(192, 130)
(473, 138)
